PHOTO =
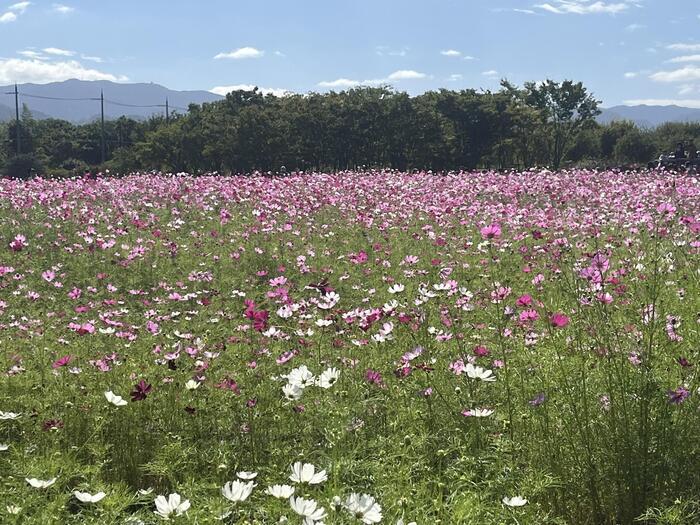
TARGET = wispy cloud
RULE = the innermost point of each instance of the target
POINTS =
(387, 51)
(63, 9)
(685, 58)
(684, 47)
(685, 74)
(241, 53)
(451, 53)
(491, 73)
(223, 90)
(20, 7)
(58, 52)
(585, 7)
(41, 72)
(99, 60)
(8, 17)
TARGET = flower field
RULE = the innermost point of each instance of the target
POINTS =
(473, 348)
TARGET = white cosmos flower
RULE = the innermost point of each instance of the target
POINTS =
(9, 415)
(116, 400)
(285, 312)
(4, 447)
(396, 288)
(308, 508)
(301, 377)
(244, 474)
(306, 473)
(280, 491)
(192, 384)
(236, 491)
(13, 509)
(400, 522)
(172, 505)
(515, 501)
(476, 372)
(292, 392)
(323, 322)
(86, 497)
(328, 378)
(145, 492)
(390, 306)
(364, 507)
(40, 483)
(478, 412)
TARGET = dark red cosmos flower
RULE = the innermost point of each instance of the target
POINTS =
(52, 424)
(141, 390)
(63, 361)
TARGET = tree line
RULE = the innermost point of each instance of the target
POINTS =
(539, 124)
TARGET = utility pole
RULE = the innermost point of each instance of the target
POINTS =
(18, 134)
(167, 112)
(102, 124)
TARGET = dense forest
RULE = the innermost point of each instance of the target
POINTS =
(539, 124)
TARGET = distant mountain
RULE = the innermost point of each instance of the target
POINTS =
(649, 116)
(119, 100)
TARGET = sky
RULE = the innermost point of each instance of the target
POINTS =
(624, 51)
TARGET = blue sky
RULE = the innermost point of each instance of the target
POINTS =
(625, 51)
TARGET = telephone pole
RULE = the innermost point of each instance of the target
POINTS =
(18, 134)
(102, 125)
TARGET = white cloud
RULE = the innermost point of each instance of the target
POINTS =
(40, 72)
(384, 50)
(634, 27)
(686, 103)
(223, 90)
(584, 7)
(63, 9)
(340, 83)
(684, 47)
(454, 77)
(58, 52)
(20, 7)
(685, 74)
(685, 58)
(279, 54)
(524, 11)
(491, 73)
(241, 53)
(631, 74)
(99, 60)
(405, 74)
(7, 17)
(451, 53)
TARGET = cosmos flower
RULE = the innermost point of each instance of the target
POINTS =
(236, 491)
(306, 473)
(243, 474)
(364, 507)
(307, 508)
(477, 412)
(476, 372)
(515, 501)
(141, 391)
(328, 377)
(9, 415)
(280, 491)
(40, 483)
(116, 400)
(172, 505)
(86, 497)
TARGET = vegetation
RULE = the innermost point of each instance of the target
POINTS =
(546, 124)
(475, 348)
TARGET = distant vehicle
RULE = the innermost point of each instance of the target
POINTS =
(679, 160)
